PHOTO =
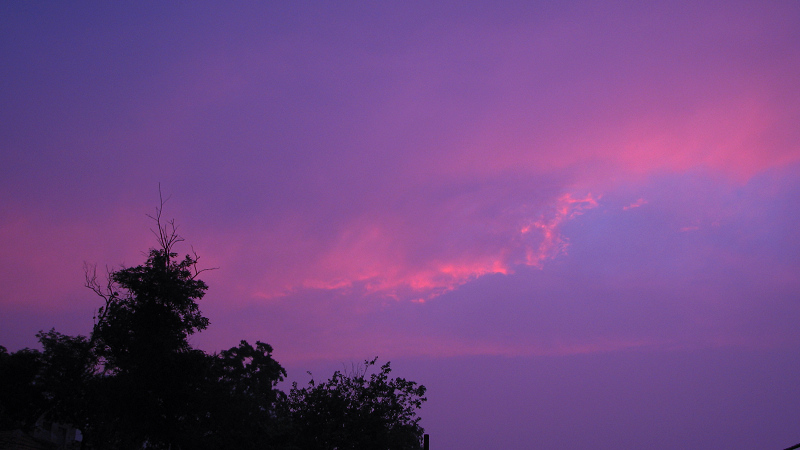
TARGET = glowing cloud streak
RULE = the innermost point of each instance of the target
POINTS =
(368, 255)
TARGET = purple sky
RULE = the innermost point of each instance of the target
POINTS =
(575, 222)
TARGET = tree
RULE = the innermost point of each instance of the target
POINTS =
(153, 388)
(21, 396)
(141, 341)
(67, 376)
(53, 383)
(243, 398)
(151, 309)
(353, 411)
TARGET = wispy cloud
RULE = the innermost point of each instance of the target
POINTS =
(638, 203)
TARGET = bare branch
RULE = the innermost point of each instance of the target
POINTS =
(107, 293)
(166, 233)
(194, 265)
(90, 272)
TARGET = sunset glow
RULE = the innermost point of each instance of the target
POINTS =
(576, 223)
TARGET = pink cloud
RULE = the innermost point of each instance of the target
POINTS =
(637, 204)
(384, 254)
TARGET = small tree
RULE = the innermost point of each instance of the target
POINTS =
(150, 310)
(67, 377)
(141, 340)
(353, 411)
(242, 398)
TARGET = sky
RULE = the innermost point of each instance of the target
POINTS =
(575, 222)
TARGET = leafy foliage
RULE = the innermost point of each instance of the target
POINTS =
(150, 312)
(21, 396)
(68, 371)
(358, 412)
(241, 399)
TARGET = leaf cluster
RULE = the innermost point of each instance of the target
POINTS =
(150, 311)
(356, 411)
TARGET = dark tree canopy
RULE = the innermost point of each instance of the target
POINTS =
(68, 371)
(150, 312)
(21, 397)
(136, 382)
(356, 412)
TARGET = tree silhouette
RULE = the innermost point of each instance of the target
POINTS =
(149, 374)
(353, 411)
(67, 377)
(244, 400)
(136, 382)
